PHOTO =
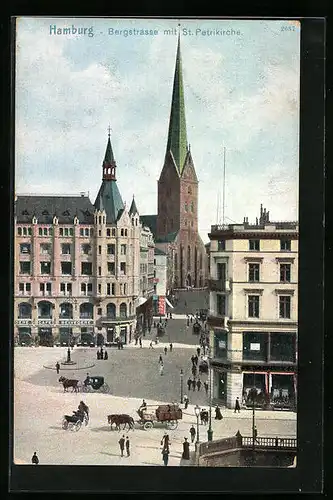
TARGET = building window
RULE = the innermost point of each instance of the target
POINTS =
(24, 288)
(220, 344)
(221, 272)
(86, 232)
(285, 245)
(111, 249)
(61, 231)
(99, 220)
(66, 288)
(188, 257)
(19, 231)
(66, 231)
(71, 232)
(25, 248)
(123, 310)
(122, 267)
(192, 206)
(66, 311)
(91, 232)
(50, 231)
(113, 232)
(125, 288)
(86, 288)
(45, 267)
(285, 273)
(24, 311)
(125, 232)
(81, 232)
(121, 232)
(108, 289)
(100, 289)
(113, 289)
(99, 250)
(254, 244)
(65, 248)
(283, 347)
(86, 249)
(284, 306)
(111, 311)
(186, 207)
(220, 245)
(66, 268)
(86, 268)
(45, 288)
(253, 305)
(254, 270)
(221, 304)
(122, 249)
(25, 267)
(108, 232)
(255, 346)
(99, 311)
(99, 271)
(99, 232)
(45, 248)
(45, 232)
(111, 268)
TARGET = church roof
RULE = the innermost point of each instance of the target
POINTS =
(109, 158)
(46, 207)
(169, 238)
(177, 137)
(151, 222)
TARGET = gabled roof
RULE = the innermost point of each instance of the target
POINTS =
(46, 207)
(133, 209)
(151, 222)
(109, 199)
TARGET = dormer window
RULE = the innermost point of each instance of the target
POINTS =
(25, 212)
(55, 220)
(66, 213)
(76, 220)
(34, 220)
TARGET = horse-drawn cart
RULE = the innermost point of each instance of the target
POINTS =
(95, 384)
(166, 414)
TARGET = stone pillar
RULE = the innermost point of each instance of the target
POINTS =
(234, 387)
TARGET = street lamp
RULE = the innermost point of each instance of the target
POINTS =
(181, 386)
(253, 411)
(210, 430)
(197, 413)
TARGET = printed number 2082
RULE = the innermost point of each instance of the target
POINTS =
(288, 28)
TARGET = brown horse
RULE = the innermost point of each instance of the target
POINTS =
(121, 419)
(66, 382)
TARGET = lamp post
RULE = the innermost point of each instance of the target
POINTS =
(181, 386)
(197, 413)
(253, 412)
(210, 430)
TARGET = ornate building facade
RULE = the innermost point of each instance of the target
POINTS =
(77, 266)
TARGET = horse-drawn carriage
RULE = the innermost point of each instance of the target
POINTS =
(167, 414)
(75, 421)
(95, 384)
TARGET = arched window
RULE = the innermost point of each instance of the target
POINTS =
(86, 311)
(111, 310)
(45, 310)
(109, 170)
(189, 257)
(121, 232)
(125, 232)
(66, 311)
(192, 206)
(99, 220)
(24, 310)
(186, 207)
(24, 231)
(19, 231)
(123, 310)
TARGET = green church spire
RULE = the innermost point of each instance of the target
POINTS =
(177, 137)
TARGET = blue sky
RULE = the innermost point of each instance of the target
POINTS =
(241, 93)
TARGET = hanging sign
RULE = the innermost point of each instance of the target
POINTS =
(222, 344)
(255, 347)
(161, 305)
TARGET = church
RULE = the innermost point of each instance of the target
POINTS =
(175, 227)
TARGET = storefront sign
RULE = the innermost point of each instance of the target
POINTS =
(255, 347)
(222, 344)
(161, 305)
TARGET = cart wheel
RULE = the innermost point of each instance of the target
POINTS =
(148, 425)
(65, 424)
(77, 426)
(172, 424)
(105, 388)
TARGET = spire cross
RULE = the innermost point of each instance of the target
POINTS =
(109, 130)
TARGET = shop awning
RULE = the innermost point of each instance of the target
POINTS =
(169, 303)
(141, 301)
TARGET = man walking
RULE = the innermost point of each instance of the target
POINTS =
(160, 359)
(127, 443)
(122, 444)
(170, 347)
(186, 402)
(165, 455)
(186, 450)
(194, 384)
(151, 345)
(192, 432)
(161, 369)
(198, 384)
(198, 351)
(57, 367)
(237, 406)
(140, 341)
(206, 386)
(35, 459)
(165, 349)
(189, 383)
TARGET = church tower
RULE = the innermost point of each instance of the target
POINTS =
(177, 218)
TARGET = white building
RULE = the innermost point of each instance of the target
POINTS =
(253, 311)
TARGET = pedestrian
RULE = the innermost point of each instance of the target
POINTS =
(35, 459)
(196, 359)
(165, 349)
(189, 383)
(127, 444)
(198, 384)
(160, 359)
(165, 456)
(192, 432)
(186, 450)
(194, 384)
(191, 318)
(140, 342)
(186, 402)
(122, 444)
(170, 315)
(165, 441)
(57, 366)
(198, 351)
(192, 359)
(188, 322)
(194, 370)
(206, 386)
(161, 369)
(106, 356)
(237, 406)
(102, 354)
(151, 345)
(218, 414)
(98, 355)
(170, 345)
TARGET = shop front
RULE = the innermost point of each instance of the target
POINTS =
(24, 336)
(269, 389)
(45, 337)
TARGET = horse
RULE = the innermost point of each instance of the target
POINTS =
(69, 383)
(121, 419)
